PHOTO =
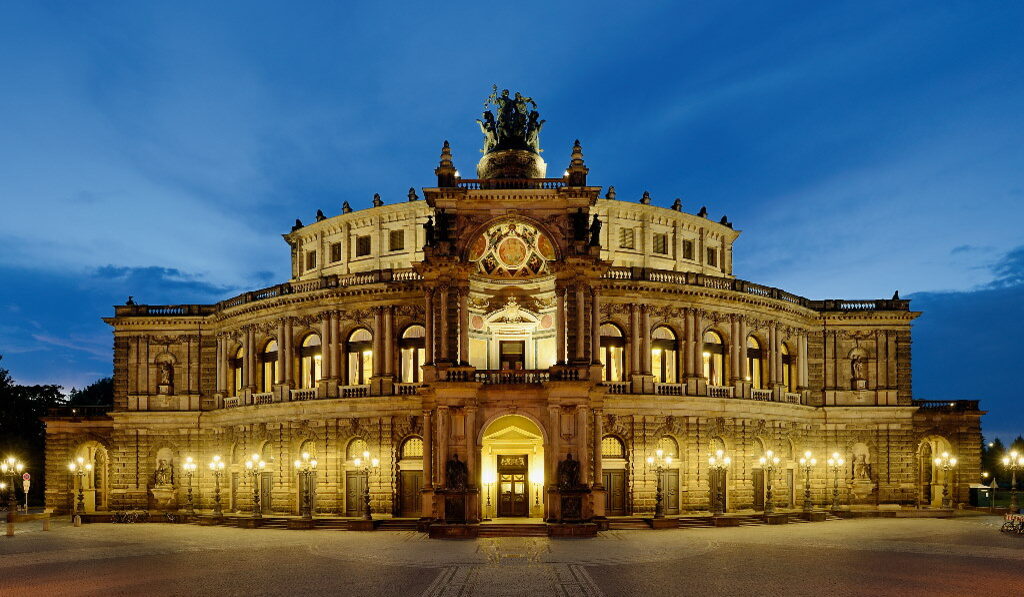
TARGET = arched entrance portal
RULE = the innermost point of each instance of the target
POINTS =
(932, 478)
(512, 463)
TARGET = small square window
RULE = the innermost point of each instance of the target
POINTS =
(335, 252)
(310, 260)
(661, 244)
(688, 249)
(396, 240)
(712, 258)
(627, 238)
(362, 246)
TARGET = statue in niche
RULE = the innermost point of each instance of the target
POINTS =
(861, 468)
(595, 232)
(456, 473)
(569, 473)
(857, 365)
(164, 474)
(166, 374)
(428, 231)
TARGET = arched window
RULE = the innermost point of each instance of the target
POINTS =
(308, 447)
(237, 365)
(664, 349)
(668, 446)
(755, 363)
(613, 344)
(788, 379)
(411, 347)
(412, 448)
(714, 358)
(360, 357)
(356, 448)
(268, 362)
(611, 447)
(310, 361)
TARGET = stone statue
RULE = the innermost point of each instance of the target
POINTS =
(428, 231)
(320, 217)
(490, 130)
(569, 473)
(595, 232)
(377, 201)
(166, 374)
(857, 365)
(456, 473)
(131, 300)
(345, 207)
(533, 127)
(164, 474)
(516, 126)
(297, 225)
(861, 468)
(677, 205)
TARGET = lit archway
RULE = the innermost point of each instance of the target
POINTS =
(512, 465)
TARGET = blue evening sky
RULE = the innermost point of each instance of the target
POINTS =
(160, 148)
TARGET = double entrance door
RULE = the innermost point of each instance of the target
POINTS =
(355, 487)
(513, 488)
(614, 492)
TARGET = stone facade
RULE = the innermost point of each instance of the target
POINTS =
(497, 318)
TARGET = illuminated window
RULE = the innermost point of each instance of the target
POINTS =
(688, 249)
(669, 447)
(356, 448)
(627, 238)
(755, 363)
(412, 353)
(714, 359)
(237, 365)
(788, 379)
(611, 447)
(612, 350)
(664, 352)
(661, 244)
(310, 361)
(360, 357)
(362, 246)
(396, 240)
(335, 252)
(268, 362)
(310, 260)
(412, 448)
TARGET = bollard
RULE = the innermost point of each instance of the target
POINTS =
(10, 524)
(46, 523)
(78, 520)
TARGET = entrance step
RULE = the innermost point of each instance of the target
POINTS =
(498, 529)
(398, 524)
(627, 523)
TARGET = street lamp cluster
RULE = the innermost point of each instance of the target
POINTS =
(769, 462)
(306, 468)
(835, 462)
(719, 463)
(11, 468)
(660, 460)
(254, 467)
(1014, 462)
(79, 468)
(366, 464)
(946, 463)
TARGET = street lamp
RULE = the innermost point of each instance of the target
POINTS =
(489, 480)
(537, 478)
(835, 462)
(190, 469)
(79, 468)
(807, 464)
(660, 460)
(769, 462)
(1013, 462)
(254, 466)
(365, 464)
(217, 467)
(307, 473)
(12, 468)
(718, 463)
(946, 462)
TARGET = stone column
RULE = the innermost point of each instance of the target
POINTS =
(769, 359)
(333, 348)
(580, 322)
(221, 369)
(389, 340)
(560, 327)
(289, 353)
(697, 348)
(645, 331)
(595, 327)
(464, 325)
(554, 456)
(325, 343)
(801, 363)
(598, 438)
(427, 492)
(250, 359)
(443, 315)
(442, 443)
(581, 442)
(634, 340)
(742, 349)
(428, 326)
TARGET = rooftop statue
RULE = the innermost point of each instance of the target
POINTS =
(517, 125)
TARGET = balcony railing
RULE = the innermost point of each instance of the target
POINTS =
(231, 402)
(669, 389)
(617, 387)
(720, 391)
(510, 183)
(513, 376)
(947, 405)
(303, 394)
(263, 398)
(407, 389)
(763, 395)
(78, 412)
(792, 398)
(354, 391)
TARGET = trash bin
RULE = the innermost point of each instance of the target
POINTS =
(980, 495)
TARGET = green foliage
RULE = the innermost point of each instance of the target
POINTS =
(99, 393)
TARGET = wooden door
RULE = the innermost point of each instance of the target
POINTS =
(409, 497)
(512, 354)
(266, 491)
(615, 493)
(355, 486)
(759, 487)
(513, 488)
(670, 491)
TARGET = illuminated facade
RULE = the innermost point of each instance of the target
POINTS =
(513, 320)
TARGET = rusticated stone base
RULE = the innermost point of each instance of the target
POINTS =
(363, 525)
(813, 516)
(301, 523)
(454, 531)
(586, 529)
(662, 523)
(249, 523)
(725, 521)
(776, 518)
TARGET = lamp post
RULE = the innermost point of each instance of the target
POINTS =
(12, 468)
(769, 462)
(835, 462)
(807, 464)
(946, 462)
(190, 469)
(1013, 462)
(79, 468)
(660, 460)
(254, 466)
(489, 480)
(217, 468)
(718, 463)
(365, 464)
(307, 475)
(537, 478)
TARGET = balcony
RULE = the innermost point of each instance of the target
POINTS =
(510, 183)
(303, 394)
(512, 376)
(762, 395)
(947, 405)
(720, 391)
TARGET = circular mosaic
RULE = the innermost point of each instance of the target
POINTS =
(512, 250)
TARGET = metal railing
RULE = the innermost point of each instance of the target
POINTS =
(946, 405)
(78, 412)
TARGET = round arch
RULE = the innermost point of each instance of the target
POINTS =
(513, 465)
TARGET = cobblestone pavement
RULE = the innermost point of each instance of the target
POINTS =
(962, 556)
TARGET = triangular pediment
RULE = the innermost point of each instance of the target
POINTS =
(512, 433)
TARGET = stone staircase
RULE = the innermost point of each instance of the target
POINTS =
(499, 529)
(398, 524)
(627, 523)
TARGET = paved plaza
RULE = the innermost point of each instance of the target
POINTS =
(962, 556)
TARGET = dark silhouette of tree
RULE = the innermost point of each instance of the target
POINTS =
(98, 393)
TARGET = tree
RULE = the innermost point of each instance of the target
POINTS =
(98, 393)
